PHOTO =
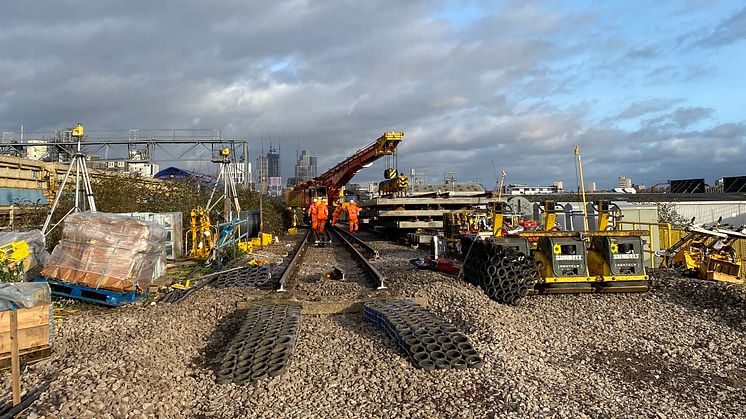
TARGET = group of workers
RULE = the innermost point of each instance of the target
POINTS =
(318, 211)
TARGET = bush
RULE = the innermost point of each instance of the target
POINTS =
(117, 193)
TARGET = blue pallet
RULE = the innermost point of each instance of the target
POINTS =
(92, 295)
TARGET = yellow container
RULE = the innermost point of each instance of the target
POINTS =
(264, 241)
(246, 247)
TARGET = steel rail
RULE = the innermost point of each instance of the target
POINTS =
(298, 254)
(373, 274)
(371, 252)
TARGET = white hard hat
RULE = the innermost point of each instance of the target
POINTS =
(314, 200)
(352, 201)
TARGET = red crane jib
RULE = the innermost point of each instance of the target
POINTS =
(338, 176)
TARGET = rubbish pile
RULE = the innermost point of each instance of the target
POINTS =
(429, 342)
(108, 251)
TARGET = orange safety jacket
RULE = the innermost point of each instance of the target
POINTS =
(322, 211)
(352, 211)
(337, 213)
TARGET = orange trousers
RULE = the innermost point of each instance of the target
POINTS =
(320, 223)
(353, 226)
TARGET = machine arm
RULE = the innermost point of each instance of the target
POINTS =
(338, 176)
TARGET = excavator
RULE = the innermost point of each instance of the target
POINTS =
(331, 183)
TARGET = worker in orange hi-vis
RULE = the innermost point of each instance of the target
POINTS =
(322, 214)
(337, 212)
(352, 211)
(312, 210)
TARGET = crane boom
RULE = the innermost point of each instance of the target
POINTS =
(330, 183)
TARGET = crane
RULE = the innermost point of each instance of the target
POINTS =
(331, 182)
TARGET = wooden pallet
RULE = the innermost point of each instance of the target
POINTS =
(92, 295)
(34, 329)
(28, 356)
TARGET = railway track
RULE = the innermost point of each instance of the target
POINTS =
(359, 243)
(262, 346)
(353, 249)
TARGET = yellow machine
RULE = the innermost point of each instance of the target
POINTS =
(330, 183)
(456, 224)
(14, 252)
(706, 253)
(78, 131)
(200, 238)
(394, 184)
(604, 260)
(498, 218)
(12, 257)
(616, 256)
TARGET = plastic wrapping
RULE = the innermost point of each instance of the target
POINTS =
(172, 222)
(35, 241)
(109, 251)
(23, 294)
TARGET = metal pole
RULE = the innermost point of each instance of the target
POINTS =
(77, 183)
(57, 197)
(226, 190)
(582, 186)
(88, 187)
(261, 207)
(246, 164)
(234, 192)
(14, 357)
(214, 188)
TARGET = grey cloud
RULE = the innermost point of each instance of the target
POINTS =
(728, 31)
(688, 116)
(680, 118)
(678, 73)
(336, 75)
(645, 52)
(644, 107)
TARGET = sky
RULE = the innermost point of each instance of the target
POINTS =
(650, 91)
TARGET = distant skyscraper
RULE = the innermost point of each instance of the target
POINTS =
(305, 169)
(273, 163)
(268, 172)
(260, 179)
(625, 182)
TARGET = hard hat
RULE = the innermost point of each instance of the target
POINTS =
(315, 199)
(323, 199)
(352, 201)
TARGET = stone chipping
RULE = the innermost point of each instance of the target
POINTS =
(676, 351)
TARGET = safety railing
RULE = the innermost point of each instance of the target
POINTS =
(660, 239)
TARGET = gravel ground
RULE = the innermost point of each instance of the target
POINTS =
(677, 351)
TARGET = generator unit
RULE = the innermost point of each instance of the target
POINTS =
(563, 261)
(618, 261)
(519, 244)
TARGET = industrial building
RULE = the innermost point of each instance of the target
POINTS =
(518, 189)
